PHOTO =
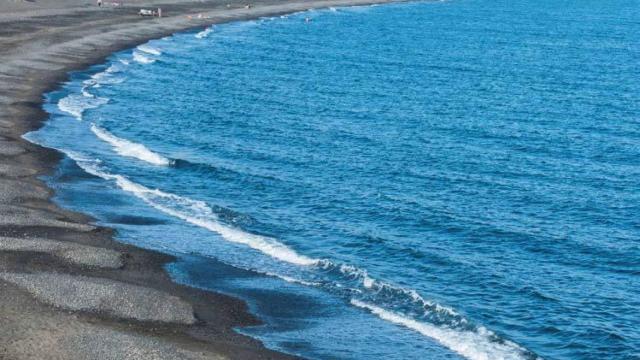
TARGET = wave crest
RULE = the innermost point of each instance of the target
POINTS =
(400, 306)
(140, 58)
(474, 345)
(149, 49)
(204, 33)
(77, 104)
(130, 149)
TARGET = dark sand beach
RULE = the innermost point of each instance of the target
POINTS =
(68, 291)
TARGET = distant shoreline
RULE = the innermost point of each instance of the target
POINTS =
(42, 244)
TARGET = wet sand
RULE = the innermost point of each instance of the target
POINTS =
(67, 289)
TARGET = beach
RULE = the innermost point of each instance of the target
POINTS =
(68, 290)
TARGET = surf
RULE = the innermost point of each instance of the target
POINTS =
(361, 290)
(481, 344)
(76, 104)
(204, 33)
(142, 59)
(146, 48)
(130, 149)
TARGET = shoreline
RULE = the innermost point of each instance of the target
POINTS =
(42, 244)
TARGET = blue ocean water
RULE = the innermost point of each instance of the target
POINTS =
(432, 180)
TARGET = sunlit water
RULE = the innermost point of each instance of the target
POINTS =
(428, 180)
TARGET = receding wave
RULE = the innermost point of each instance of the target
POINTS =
(481, 344)
(140, 58)
(76, 104)
(127, 148)
(204, 33)
(149, 49)
(197, 213)
(106, 77)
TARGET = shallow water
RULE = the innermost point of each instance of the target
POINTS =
(424, 180)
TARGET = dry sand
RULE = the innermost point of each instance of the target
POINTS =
(67, 290)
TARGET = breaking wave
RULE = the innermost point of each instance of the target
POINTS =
(77, 104)
(149, 49)
(481, 344)
(403, 307)
(140, 58)
(196, 212)
(204, 33)
(128, 148)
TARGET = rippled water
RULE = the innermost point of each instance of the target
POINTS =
(422, 180)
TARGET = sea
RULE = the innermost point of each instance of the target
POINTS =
(423, 180)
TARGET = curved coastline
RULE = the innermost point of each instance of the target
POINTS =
(41, 242)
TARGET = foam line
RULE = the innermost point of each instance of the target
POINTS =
(197, 213)
(130, 149)
(481, 344)
(204, 33)
(149, 49)
(140, 58)
(76, 104)
(388, 302)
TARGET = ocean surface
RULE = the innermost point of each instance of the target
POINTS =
(430, 180)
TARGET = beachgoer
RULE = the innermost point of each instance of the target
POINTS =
(99, 3)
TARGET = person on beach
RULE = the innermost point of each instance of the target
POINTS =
(99, 3)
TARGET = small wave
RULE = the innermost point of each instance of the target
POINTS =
(105, 77)
(395, 296)
(76, 104)
(113, 68)
(197, 213)
(139, 58)
(481, 344)
(292, 280)
(149, 49)
(204, 33)
(404, 307)
(86, 93)
(130, 149)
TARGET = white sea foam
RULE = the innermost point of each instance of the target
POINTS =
(197, 213)
(471, 342)
(140, 58)
(263, 244)
(115, 67)
(374, 287)
(204, 33)
(479, 344)
(105, 77)
(127, 148)
(76, 104)
(149, 49)
(474, 343)
(292, 279)
(86, 93)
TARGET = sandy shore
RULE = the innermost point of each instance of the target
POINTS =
(67, 290)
